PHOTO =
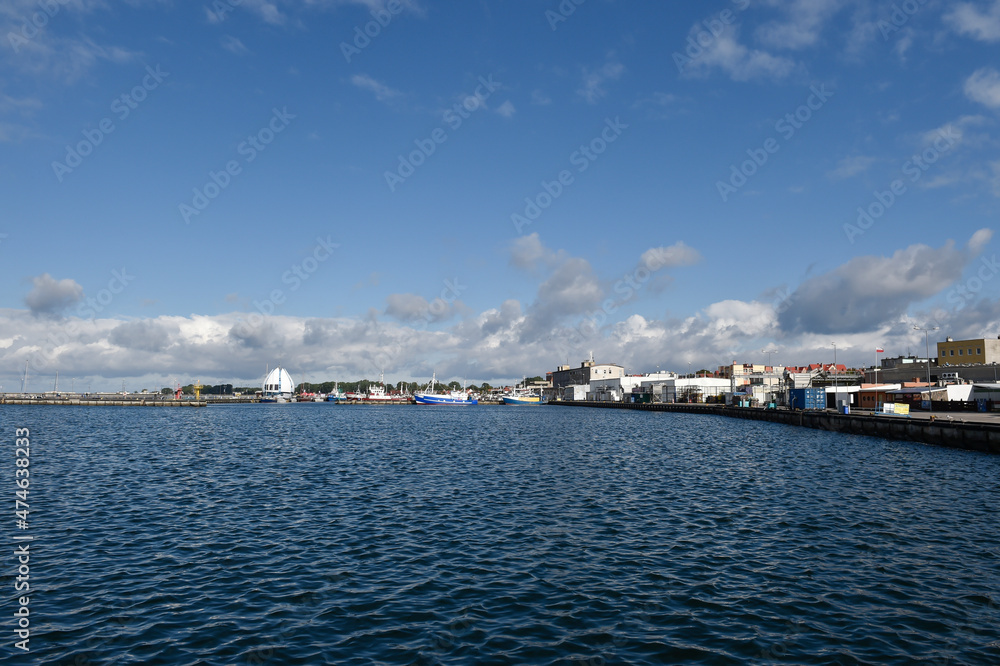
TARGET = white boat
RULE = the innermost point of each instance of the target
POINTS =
(376, 392)
(278, 386)
(429, 397)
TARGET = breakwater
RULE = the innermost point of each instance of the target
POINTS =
(102, 402)
(969, 435)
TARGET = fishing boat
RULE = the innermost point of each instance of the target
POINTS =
(429, 397)
(521, 395)
(377, 393)
(336, 395)
(278, 386)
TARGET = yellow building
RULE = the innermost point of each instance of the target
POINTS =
(964, 352)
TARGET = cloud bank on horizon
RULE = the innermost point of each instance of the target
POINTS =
(660, 186)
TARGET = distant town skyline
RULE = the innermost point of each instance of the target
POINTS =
(489, 190)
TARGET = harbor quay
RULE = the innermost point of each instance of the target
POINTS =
(99, 400)
(971, 431)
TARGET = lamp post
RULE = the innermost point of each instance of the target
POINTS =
(769, 352)
(768, 373)
(836, 378)
(927, 359)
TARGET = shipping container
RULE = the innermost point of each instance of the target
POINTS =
(807, 398)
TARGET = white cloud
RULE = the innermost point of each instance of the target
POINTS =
(499, 343)
(539, 98)
(984, 87)
(593, 88)
(851, 166)
(967, 19)
(802, 25)
(506, 109)
(678, 254)
(50, 296)
(266, 11)
(868, 291)
(528, 252)
(382, 92)
(234, 45)
(739, 62)
(572, 288)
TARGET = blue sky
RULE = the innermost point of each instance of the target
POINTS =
(489, 189)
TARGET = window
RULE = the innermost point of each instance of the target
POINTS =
(959, 352)
(951, 352)
(970, 351)
(979, 350)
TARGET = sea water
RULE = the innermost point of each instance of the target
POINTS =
(321, 533)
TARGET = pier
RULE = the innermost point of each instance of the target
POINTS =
(972, 431)
(144, 400)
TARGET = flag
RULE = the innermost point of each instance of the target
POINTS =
(879, 350)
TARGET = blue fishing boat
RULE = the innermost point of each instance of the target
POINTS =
(429, 397)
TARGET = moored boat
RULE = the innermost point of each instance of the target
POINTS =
(377, 392)
(522, 399)
(521, 395)
(430, 397)
(336, 395)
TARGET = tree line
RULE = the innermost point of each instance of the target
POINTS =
(360, 386)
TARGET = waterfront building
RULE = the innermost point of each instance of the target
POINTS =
(588, 371)
(963, 352)
(614, 389)
(873, 396)
(574, 392)
(696, 389)
(278, 386)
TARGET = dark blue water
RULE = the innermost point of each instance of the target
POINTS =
(321, 533)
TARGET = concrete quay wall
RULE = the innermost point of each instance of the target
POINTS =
(972, 436)
(84, 402)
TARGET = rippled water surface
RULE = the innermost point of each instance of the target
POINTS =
(321, 533)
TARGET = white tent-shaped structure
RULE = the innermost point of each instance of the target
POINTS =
(278, 386)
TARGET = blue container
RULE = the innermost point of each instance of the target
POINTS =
(807, 398)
